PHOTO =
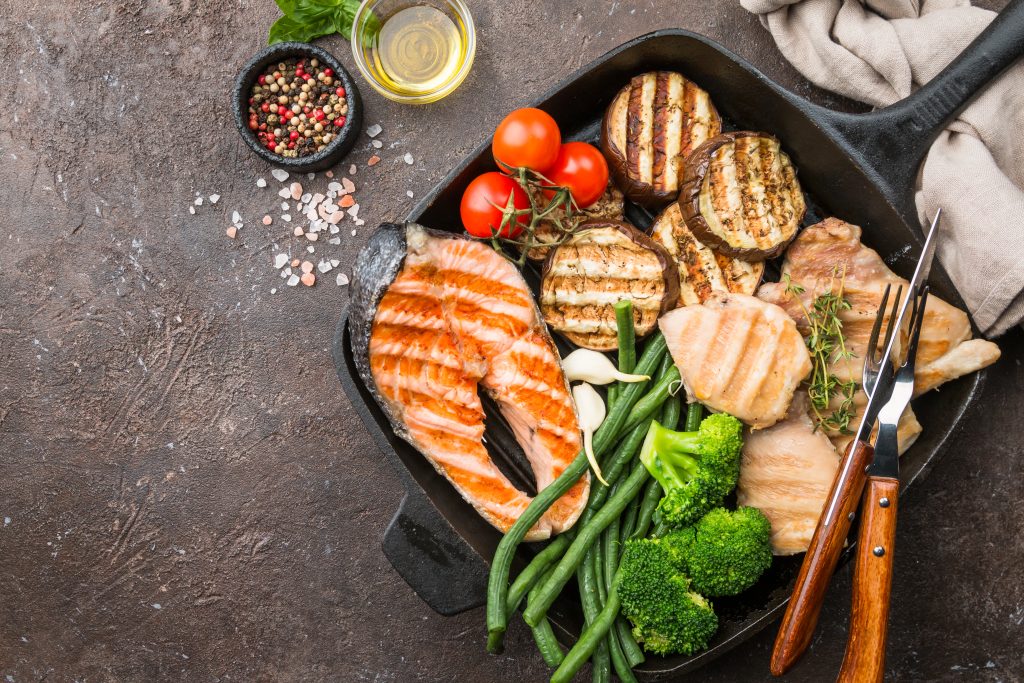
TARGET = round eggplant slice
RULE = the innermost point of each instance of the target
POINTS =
(650, 128)
(702, 271)
(740, 195)
(605, 262)
(609, 206)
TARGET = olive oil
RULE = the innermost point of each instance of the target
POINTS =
(418, 50)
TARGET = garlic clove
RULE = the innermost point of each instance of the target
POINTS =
(596, 368)
(591, 411)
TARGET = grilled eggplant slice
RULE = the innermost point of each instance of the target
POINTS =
(609, 206)
(604, 262)
(650, 128)
(702, 271)
(740, 195)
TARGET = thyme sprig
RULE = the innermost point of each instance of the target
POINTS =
(827, 346)
(559, 212)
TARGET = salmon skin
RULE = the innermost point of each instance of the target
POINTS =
(434, 316)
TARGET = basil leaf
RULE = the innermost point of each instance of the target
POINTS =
(305, 20)
(343, 16)
(286, 30)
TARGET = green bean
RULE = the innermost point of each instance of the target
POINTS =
(694, 414)
(649, 500)
(618, 657)
(627, 335)
(609, 554)
(670, 412)
(591, 608)
(591, 640)
(613, 395)
(634, 653)
(653, 399)
(533, 572)
(604, 438)
(628, 522)
(565, 568)
(596, 557)
(660, 529)
(544, 637)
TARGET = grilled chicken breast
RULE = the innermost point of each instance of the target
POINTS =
(740, 195)
(786, 472)
(603, 263)
(701, 271)
(433, 317)
(818, 259)
(739, 355)
(609, 206)
(649, 129)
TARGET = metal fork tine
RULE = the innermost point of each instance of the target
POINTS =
(889, 330)
(873, 341)
(916, 323)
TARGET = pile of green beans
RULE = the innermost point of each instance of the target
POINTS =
(591, 551)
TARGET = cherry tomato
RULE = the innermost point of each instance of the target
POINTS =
(581, 168)
(479, 215)
(526, 137)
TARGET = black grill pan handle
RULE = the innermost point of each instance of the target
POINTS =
(433, 559)
(891, 142)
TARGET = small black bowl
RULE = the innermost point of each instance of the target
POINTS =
(345, 138)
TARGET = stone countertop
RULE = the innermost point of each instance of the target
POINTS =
(186, 493)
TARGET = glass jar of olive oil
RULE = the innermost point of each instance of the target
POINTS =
(413, 52)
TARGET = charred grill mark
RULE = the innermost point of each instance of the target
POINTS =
(660, 132)
(693, 128)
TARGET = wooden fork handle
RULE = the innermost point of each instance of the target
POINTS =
(820, 561)
(872, 584)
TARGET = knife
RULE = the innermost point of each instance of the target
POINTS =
(822, 555)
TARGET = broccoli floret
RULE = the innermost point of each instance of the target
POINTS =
(697, 470)
(668, 616)
(726, 552)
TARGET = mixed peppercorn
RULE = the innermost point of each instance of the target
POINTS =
(297, 107)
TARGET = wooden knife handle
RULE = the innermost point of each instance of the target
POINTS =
(820, 561)
(872, 583)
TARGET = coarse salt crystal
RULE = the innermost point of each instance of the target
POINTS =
(373, 161)
(295, 263)
(311, 175)
(335, 217)
(408, 158)
(273, 290)
(279, 174)
(312, 236)
(334, 187)
(285, 206)
(334, 240)
(335, 262)
(352, 169)
(293, 280)
(284, 193)
(260, 182)
(198, 201)
(317, 198)
(353, 233)
(309, 279)
(192, 210)
(296, 190)
(310, 249)
(409, 194)
(324, 266)
(214, 198)
(342, 279)
(307, 266)
(286, 217)
(280, 260)
(348, 185)
(359, 221)
(232, 231)
(353, 210)
(236, 217)
(297, 231)
(286, 272)
(306, 197)
(347, 201)
(377, 144)
(329, 174)
(267, 220)
(374, 130)
(334, 230)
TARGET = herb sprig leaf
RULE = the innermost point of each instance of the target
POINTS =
(827, 346)
(306, 20)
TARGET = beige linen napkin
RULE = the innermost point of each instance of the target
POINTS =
(879, 52)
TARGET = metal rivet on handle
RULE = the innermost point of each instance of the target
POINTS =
(850, 516)
(878, 551)
(883, 502)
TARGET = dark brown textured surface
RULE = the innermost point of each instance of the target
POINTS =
(171, 434)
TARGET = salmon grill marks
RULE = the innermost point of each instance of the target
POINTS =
(456, 317)
(741, 197)
(702, 272)
(650, 128)
(600, 265)
(739, 355)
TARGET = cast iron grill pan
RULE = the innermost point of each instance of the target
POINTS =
(857, 167)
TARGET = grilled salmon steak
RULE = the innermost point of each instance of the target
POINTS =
(739, 355)
(437, 315)
(702, 271)
(650, 127)
(740, 195)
